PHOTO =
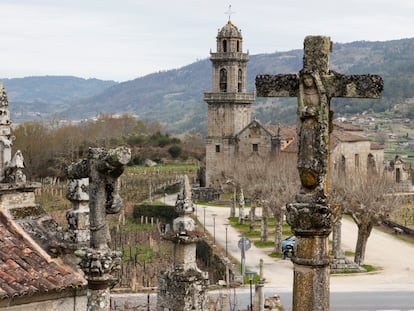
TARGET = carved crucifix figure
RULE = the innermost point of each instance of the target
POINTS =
(98, 261)
(311, 217)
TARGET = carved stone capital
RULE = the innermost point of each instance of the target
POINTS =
(309, 218)
(99, 264)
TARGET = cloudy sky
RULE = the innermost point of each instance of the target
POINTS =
(124, 39)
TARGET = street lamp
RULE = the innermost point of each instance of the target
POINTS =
(226, 226)
(214, 228)
(251, 274)
(204, 221)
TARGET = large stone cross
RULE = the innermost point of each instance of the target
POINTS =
(311, 217)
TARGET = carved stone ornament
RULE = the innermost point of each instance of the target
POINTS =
(99, 264)
(309, 218)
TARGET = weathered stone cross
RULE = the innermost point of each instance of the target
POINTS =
(310, 216)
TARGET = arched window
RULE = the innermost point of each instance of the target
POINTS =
(240, 79)
(223, 80)
(238, 46)
(224, 45)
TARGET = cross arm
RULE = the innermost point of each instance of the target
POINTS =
(283, 85)
(354, 86)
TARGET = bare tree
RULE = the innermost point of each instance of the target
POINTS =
(273, 181)
(368, 199)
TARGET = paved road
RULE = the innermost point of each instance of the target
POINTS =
(390, 289)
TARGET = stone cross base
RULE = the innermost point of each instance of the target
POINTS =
(344, 265)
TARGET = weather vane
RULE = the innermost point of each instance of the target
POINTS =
(229, 12)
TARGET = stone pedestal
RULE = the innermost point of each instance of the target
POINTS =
(312, 225)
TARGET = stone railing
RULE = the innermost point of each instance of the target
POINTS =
(229, 56)
(230, 97)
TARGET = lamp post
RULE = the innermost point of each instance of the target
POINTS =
(204, 221)
(251, 274)
(226, 226)
(214, 228)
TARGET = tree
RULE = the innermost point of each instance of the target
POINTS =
(272, 180)
(368, 199)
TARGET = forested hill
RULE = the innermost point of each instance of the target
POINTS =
(175, 97)
(34, 97)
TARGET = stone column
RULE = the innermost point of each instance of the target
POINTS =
(183, 287)
(98, 261)
(78, 234)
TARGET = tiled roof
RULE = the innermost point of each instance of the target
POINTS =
(338, 135)
(347, 126)
(25, 269)
(287, 132)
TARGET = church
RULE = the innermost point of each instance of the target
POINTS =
(233, 135)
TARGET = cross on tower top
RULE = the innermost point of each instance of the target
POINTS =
(229, 12)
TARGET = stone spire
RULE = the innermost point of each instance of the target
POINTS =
(5, 133)
(183, 286)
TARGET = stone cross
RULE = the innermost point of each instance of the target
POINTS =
(98, 261)
(311, 217)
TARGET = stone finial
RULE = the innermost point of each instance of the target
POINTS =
(184, 207)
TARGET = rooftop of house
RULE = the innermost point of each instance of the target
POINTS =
(25, 269)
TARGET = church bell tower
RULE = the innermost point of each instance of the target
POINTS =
(229, 105)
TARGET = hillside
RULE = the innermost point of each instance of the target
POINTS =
(39, 97)
(175, 97)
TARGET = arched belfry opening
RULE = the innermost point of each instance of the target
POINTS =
(223, 80)
(240, 81)
(224, 46)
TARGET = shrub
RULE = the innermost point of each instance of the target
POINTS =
(175, 151)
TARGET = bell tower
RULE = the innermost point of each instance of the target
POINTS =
(229, 105)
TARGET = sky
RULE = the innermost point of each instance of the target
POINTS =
(125, 39)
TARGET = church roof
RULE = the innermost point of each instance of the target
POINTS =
(25, 269)
(340, 134)
(229, 31)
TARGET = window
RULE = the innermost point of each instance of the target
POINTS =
(238, 46)
(223, 80)
(356, 160)
(255, 147)
(217, 148)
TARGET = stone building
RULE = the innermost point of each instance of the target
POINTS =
(352, 152)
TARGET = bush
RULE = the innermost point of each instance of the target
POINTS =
(165, 213)
(175, 151)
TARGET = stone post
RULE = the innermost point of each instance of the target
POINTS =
(183, 287)
(260, 288)
(98, 261)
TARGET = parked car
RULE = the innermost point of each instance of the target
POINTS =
(288, 247)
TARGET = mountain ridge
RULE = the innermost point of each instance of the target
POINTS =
(175, 97)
